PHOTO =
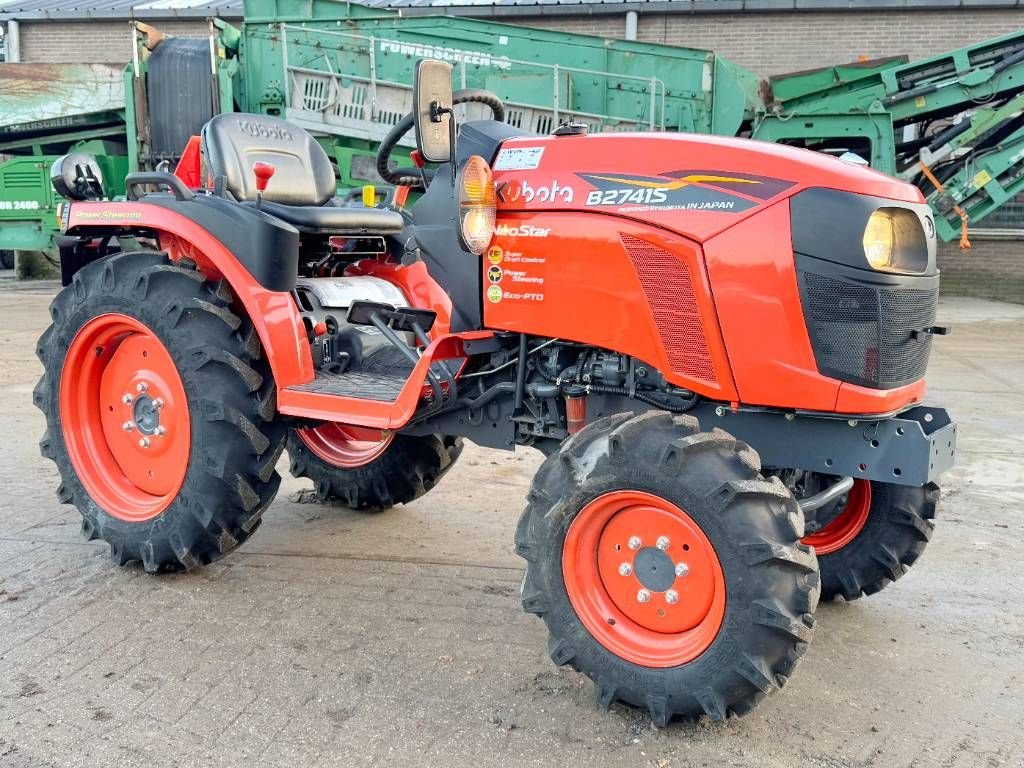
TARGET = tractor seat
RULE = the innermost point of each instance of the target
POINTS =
(303, 186)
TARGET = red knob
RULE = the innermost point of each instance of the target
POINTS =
(262, 172)
(320, 328)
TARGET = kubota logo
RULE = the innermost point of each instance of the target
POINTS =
(260, 131)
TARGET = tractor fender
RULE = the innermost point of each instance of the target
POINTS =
(257, 254)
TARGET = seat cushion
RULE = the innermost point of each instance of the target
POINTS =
(334, 220)
(303, 174)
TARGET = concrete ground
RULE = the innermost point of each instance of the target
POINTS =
(335, 638)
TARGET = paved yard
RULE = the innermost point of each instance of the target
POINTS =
(334, 638)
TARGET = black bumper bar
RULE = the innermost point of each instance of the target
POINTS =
(911, 448)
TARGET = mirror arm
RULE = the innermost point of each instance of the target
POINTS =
(437, 111)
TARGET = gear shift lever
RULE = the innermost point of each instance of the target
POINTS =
(262, 172)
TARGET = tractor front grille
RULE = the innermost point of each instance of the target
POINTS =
(862, 332)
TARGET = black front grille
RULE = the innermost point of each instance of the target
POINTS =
(863, 332)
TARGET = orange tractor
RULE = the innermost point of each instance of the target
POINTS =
(719, 345)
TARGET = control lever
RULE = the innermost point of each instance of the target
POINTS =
(263, 173)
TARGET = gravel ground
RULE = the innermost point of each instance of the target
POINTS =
(335, 638)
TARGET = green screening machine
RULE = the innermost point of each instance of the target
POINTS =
(953, 123)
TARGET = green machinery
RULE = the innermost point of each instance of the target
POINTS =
(953, 124)
(45, 112)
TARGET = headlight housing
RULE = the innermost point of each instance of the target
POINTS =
(477, 202)
(895, 241)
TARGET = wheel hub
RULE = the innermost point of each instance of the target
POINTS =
(644, 578)
(146, 415)
(654, 569)
(655, 544)
(125, 417)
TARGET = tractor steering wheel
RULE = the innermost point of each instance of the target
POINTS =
(413, 177)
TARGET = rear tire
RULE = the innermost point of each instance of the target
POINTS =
(219, 411)
(739, 533)
(402, 471)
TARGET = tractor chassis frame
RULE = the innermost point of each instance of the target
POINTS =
(911, 448)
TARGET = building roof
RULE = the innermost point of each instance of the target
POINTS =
(118, 9)
(232, 9)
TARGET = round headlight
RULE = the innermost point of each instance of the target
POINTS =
(895, 241)
(477, 201)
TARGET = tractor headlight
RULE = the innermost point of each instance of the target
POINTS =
(895, 241)
(477, 201)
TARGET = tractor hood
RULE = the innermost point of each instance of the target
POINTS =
(697, 186)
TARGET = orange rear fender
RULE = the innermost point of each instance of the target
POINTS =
(273, 313)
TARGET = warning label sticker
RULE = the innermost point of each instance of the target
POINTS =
(518, 158)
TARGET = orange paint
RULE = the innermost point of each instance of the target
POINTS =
(611, 282)
(661, 630)
(108, 359)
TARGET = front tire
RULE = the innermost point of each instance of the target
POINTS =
(160, 411)
(881, 531)
(631, 496)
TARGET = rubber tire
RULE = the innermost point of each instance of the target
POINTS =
(236, 437)
(754, 524)
(409, 468)
(897, 530)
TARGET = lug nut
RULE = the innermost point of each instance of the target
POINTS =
(634, 542)
(625, 569)
(128, 426)
(643, 596)
(662, 542)
(671, 597)
(144, 442)
(160, 431)
(682, 569)
(142, 386)
(127, 399)
(158, 403)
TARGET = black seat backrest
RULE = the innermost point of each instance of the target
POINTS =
(232, 142)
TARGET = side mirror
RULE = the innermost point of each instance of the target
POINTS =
(432, 110)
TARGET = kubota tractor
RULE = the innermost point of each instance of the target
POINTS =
(719, 344)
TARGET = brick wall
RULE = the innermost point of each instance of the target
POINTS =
(765, 43)
(992, 269)
(91, 42)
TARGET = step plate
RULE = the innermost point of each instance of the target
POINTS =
(382, 387)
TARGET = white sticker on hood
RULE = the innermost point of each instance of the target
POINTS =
(518, 158)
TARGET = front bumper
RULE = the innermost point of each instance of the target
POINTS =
(912, 448)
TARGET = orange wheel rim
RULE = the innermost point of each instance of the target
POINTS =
(644, 579)
(125, 417)
(849, 523)
(345, 446)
